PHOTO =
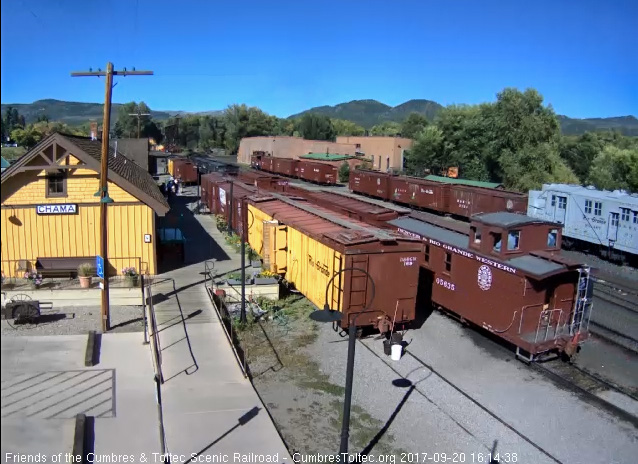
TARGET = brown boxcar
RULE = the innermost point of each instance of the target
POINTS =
(185, 170)
(263, 180)
(255, 161)
(285, 166)
(419, 193)
(313, 171)
(507, 277)
(207, 193)
(267, 163)
(467, 200)
(354, 208)
(372, 183)
(309, 245)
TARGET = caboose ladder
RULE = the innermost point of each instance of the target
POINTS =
(583, 301)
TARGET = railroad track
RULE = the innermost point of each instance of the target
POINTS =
(587, 386)
(615, 314)
(480, 405)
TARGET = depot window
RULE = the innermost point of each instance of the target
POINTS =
(598, 208)
(552, 238)
(513, 239)
(588, 204)
(56, 185)
(427, 253)
(624, 214)
(448, 262)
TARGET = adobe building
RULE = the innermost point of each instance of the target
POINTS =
(49, 208)
(383, 152)
(289, 147)
(386, 153)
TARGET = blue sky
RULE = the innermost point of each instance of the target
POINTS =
(287, 56)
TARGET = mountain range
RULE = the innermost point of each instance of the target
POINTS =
(366, 113)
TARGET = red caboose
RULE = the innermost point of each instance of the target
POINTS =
(507, 277)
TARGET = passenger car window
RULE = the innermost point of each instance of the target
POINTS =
(588, 206)
(624, 214)
(552, 238)
(477, 235)
(598, 208)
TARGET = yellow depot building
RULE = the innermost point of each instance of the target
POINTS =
(49, 208)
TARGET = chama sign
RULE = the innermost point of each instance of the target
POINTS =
(65, 208)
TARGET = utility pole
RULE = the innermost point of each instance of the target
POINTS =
(139, 115)
(103, 192)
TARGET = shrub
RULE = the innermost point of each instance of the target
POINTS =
(344, 172)
(129, 271)
(86, 270)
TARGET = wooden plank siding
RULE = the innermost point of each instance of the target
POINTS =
(28, 236)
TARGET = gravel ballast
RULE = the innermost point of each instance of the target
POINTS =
(77, 320)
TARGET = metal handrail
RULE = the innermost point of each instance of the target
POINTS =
(153, 335)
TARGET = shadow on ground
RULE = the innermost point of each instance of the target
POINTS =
(199, 246)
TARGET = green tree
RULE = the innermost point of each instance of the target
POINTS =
(345, 127)
(26, 137)
(387, 128)
(344, 172)
(313, 126)
(412, 126)
(127, 122)
(426, 155)
(534, 165)
(615, 168)
(242, 121)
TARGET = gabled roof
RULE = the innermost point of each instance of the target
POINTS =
(124, 173)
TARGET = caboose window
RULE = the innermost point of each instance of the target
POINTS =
(448, 262)
(553, 200)
(513, 238)
(497, 242)
(598, 208)
(624, 214)
(552, 238)
(477, 235)
(562, 202)
(635, 217)
(588, 206)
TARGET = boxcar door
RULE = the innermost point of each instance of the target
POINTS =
(612, 229)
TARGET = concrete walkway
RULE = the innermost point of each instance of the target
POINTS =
(209, 407)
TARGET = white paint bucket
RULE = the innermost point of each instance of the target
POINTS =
(397, 351)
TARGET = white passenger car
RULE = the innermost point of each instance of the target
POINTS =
(606, 220)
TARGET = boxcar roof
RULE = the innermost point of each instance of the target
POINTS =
(431, 231)
(473, 183)
(534, 265)
(326, 156)
(591, 192)
(317, 221)
(506, 219)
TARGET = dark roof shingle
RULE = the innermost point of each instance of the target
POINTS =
(121, 166)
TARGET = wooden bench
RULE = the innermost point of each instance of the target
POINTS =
(60, 267)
